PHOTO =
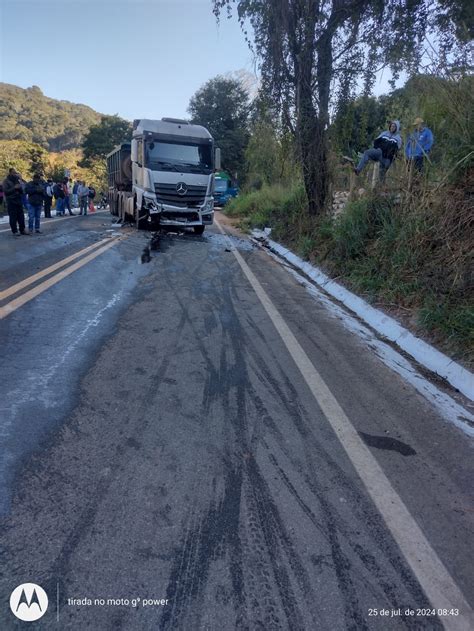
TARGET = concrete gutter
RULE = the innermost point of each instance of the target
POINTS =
(432, 359)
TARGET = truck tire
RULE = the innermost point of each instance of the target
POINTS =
(199, 229)
(142, 218)
(113, 205)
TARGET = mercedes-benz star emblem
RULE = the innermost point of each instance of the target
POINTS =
(181, 188)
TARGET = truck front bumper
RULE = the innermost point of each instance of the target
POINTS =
(178, 216)
(185, 218)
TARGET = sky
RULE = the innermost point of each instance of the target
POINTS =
(134, 58)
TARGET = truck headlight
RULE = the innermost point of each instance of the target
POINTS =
(208, 206)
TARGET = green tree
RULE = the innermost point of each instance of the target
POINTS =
(57, 172)
(102, 138)
(269, 155)
(26, 157)
(27, 114)
(311, 50)
(357, 122)
(222, 106)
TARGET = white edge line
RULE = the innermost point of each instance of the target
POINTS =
(440, 588)
(450, 409)
(55, 219)
(424, 353)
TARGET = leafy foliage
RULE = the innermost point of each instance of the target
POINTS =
(357, 123)
(30, 116)
(222, 106)
(28, 158)
(103, 137)
(447, 106)
(270, 153)
(310, 51)
(419, 261)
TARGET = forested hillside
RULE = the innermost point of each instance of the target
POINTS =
(29, 115)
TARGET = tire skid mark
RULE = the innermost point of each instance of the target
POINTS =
(275, 543)
(331, 526)
(184, 589)
(87, 516)
(296, 413)
(209, 537)
(97, 489)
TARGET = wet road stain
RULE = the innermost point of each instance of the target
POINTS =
(222, 241)
(388, 443)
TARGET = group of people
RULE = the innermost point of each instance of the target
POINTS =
(389, 142)
(38, 195)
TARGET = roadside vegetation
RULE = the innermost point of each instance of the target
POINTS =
(29, 158)
(45, 135)
(407, 246)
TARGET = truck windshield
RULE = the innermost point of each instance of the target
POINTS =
(170, 156)
(220, 185)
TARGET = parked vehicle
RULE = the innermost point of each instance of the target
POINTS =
(164, 177)
(223, 189)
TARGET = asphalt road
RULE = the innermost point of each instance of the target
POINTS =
(195, 443)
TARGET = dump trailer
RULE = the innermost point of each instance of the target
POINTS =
(164, 177)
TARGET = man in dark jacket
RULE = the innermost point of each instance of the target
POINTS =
(48, 198)
(384, 151)
(58, 192)
(35, 193)
(13, 192)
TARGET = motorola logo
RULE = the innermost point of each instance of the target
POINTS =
(29, 602)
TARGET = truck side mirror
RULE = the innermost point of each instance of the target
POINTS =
(217, 159)
(134, 152)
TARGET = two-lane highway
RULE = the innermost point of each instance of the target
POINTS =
(197, 443)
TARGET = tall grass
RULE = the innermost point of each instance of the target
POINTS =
(417, 259)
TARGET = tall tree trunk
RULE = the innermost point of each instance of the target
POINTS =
(311, 123)
(313, 146)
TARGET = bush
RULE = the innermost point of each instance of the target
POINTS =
(273, 206)
(415, 258)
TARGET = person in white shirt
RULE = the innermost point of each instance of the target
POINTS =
(48, 198)
(83, 195)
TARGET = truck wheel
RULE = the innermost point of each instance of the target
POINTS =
(199, 229)
(142, 218)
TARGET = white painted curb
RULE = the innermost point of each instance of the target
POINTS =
(424, 353)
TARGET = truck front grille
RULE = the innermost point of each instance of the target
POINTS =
(167, 194)
(180, 217)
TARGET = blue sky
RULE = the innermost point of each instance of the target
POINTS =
(135, 58)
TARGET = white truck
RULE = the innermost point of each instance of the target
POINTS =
(164, 177)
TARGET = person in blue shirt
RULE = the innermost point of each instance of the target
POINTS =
(419, 144)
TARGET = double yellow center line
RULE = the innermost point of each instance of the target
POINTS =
(94, 250)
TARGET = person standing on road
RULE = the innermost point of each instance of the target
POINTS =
(24, 197)
(91, 198)
(83, 194)
(58, 191)
(75, 203)
(13, 192)
(419, 144)
(385, 148)
(67, 195)
(35, 192)
(48, 199)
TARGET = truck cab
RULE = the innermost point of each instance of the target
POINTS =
(223, 189)
(173, 165)
(164, 177)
